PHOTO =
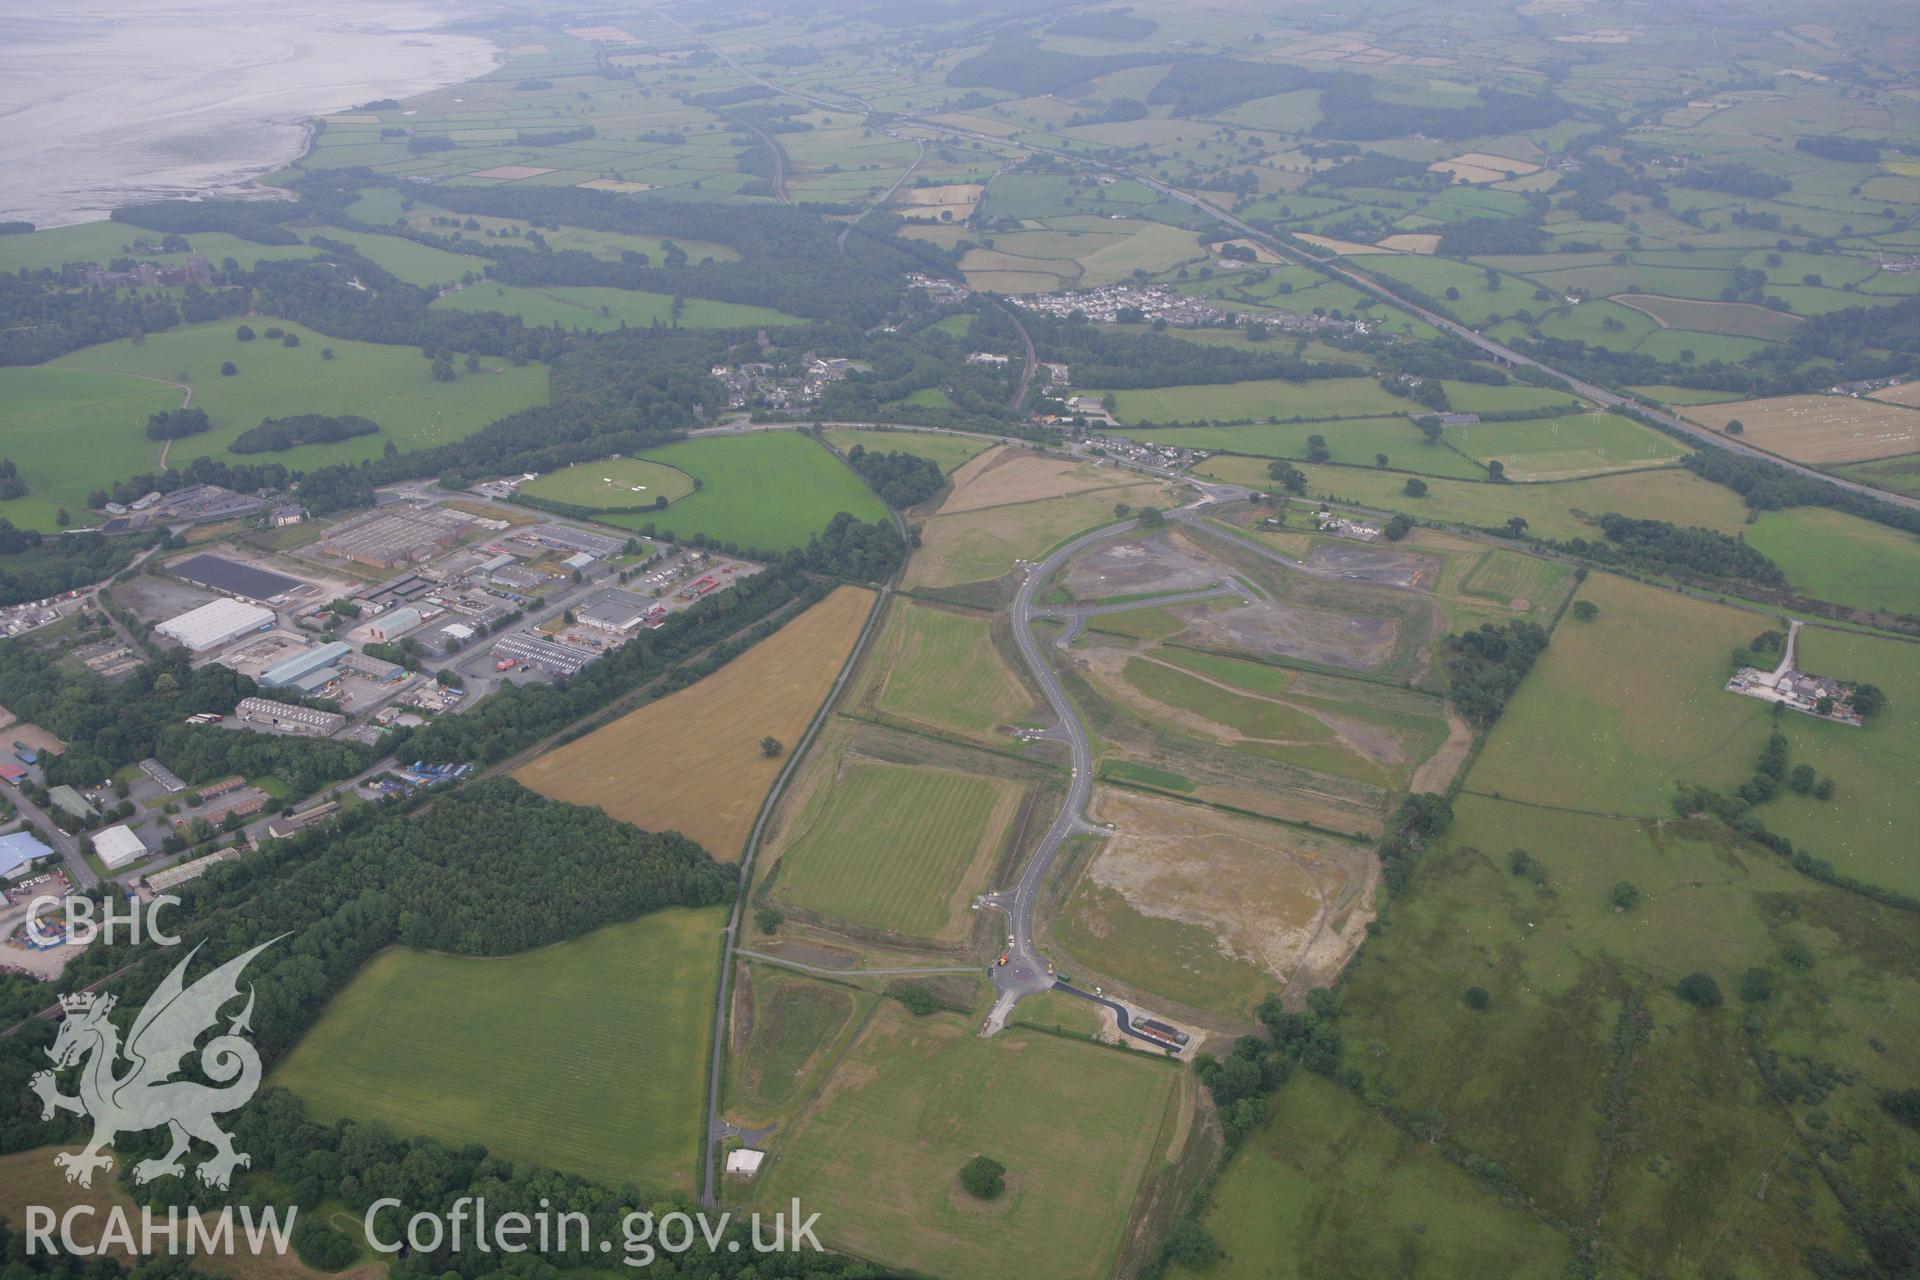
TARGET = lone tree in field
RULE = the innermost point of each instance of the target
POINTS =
(771, 747)
(1700, 991)
(1496, 470)
(768, 921)
(1150, 518)
(1585, 610)
(1414, 487)
(1735, 426)
(983, 1176)
(1626, 896)
(228, 369)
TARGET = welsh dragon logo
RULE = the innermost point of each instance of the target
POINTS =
(145, 1095)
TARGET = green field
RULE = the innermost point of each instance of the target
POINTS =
(1353, 442)
(1620, 709)
(1260, 398)
(612, 483)
(1324, 1188)
(102, 242)
(894, 847)
(1565, 448)
(420, 264)
(1830, 555)
(946, 673)
(946, 451)
(1550, 509)
(915, 1098)
(70, 432)
(596, 308)
(1523, 1083)
(1508, 575)
(767, 490)
(1865, 828)
(102, 395)
(795, 1022)
(1896, 475)
(588, 1056)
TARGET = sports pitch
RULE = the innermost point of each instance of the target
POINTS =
(766, 491)
(938, 668)
(614, 482)
(894, 847)
(587, 1056)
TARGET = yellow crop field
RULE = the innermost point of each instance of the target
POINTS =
(1820, 429)
(692, 762)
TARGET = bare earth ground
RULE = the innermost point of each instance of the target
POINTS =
(1315, 635)
(1162, 562)
(1266, 891)
(1006, 474)
(1376, 565)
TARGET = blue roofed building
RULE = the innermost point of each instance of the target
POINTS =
(19, 851)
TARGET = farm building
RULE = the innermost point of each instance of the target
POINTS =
(231, 578)
(745, 1161)
(215, 623)
(614, 610)
(117, 846)
(20, 851)
(285, 715)
(283, 675)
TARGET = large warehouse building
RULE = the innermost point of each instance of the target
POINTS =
(215, 623)
(614, 610)
(294, 670)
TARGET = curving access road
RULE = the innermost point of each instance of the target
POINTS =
(1025, 972)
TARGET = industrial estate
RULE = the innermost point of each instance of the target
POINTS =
(1089, 641)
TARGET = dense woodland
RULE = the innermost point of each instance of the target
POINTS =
(1485, 667)
(491, 869)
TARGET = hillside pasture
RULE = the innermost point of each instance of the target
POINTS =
(1324, 1187)
(1733, 319)
(68, 431)
(496, 1050)
(391, 385)
(1618, 710)
(692, 762)
(1831, 555)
